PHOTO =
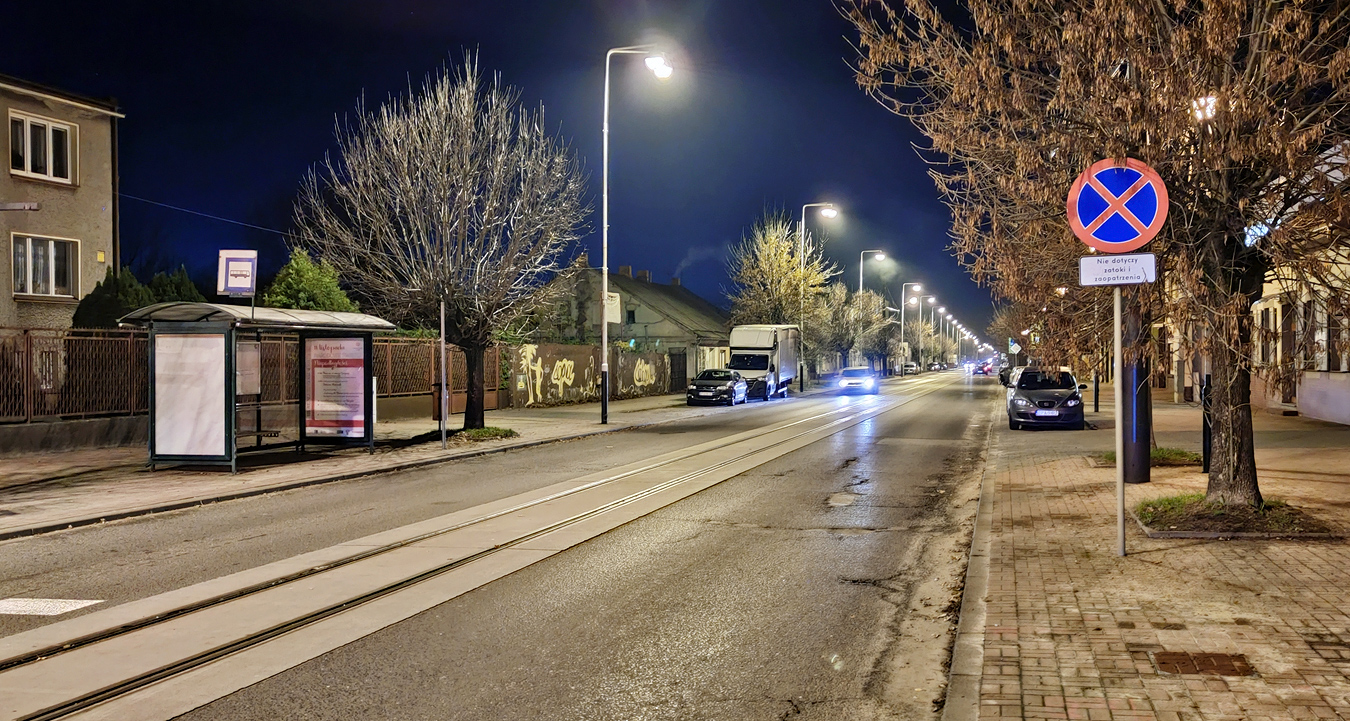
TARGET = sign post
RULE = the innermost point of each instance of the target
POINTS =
(1117, 207)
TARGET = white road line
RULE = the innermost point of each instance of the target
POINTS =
(42, 606)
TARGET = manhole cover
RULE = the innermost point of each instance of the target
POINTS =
(1215, 664)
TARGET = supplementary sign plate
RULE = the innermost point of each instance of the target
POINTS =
(1129, 269)
(1115, 207)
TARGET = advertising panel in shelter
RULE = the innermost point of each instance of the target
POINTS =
(335, 399)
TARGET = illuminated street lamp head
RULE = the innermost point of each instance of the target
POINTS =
(913, 301)
(931, 300)
(659, 67)
(879, 256)
(829, 212)
(943, 309)
(949, 315)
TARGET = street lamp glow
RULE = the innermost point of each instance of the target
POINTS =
(829, 212)
(879, 256)
(932, 299)
(943, 309)
(913, 301)
(657, 64)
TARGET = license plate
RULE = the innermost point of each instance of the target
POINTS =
(1047, 413)
(705, 393)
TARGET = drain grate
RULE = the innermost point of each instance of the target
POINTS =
(1215, 664)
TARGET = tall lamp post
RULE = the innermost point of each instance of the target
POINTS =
(903, 302)
(862, 261)
(827, 210)
(657, 64)
(917, 300)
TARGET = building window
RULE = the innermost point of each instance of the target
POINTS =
(45, 266)
(41, 148)
(632, 317)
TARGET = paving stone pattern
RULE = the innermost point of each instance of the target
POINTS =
(1075, 632)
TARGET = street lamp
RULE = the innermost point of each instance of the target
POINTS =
(659, 67)
(827, 210)
(931, 300)
(862, 259)
(904, 302)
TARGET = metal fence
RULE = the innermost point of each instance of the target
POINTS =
(48, 375)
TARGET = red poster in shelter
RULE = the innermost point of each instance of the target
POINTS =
(335, 399)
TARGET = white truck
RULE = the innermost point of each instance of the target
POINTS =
(766, 356)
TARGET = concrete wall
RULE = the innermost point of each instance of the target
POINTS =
(549, 374)
(81, 210)
(68, 435)
(1325, 396)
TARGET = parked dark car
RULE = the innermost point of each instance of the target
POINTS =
(716, 385)
(1044, 397)
(857, 380)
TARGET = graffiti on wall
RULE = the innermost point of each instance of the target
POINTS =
(549, 374)
(563, 375)
(644, 373)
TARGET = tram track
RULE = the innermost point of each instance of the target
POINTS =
(791, 432)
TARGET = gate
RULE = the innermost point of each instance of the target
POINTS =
(679, 370)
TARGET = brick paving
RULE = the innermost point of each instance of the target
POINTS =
(1072, 630)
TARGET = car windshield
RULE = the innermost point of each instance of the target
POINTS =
(714, 376)
(856, 373)
(749, 362)
(1045, 381)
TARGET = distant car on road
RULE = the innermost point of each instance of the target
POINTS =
(716, 385)
(1044, 397)
(909, 369)
(934, 366)
(983, 369)
(857, 380)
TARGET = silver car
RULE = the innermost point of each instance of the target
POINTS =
(1042, 397)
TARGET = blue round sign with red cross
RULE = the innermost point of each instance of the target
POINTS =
(1117, 207)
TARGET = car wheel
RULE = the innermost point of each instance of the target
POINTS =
(1013, 425)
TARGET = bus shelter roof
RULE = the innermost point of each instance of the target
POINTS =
(242, 316)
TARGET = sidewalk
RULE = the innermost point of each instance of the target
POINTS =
(45, 491)
(1072, 631)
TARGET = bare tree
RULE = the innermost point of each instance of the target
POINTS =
(1240, 105)
(455, 193)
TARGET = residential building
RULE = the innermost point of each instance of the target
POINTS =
(653, 317)
(62, 151)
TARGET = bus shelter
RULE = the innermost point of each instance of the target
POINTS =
(207, 369)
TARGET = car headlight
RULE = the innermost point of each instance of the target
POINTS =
(870, 381)
(692, 387)
(842, 383)
(1073, 402)
(727, 387)
(1022, 402)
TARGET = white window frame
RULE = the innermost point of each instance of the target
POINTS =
(72, 147)
(51, 267)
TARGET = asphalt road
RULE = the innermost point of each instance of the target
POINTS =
(144, 556)
(810, 587)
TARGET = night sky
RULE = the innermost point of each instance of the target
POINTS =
(228, 104)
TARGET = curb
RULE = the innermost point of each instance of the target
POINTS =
(409, 465)
(962, 700)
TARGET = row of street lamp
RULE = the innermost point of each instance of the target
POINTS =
(656, 62)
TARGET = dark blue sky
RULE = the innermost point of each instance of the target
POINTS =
(228, 103)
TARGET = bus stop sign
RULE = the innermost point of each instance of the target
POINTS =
(1117, 207)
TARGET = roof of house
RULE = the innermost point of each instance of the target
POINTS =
(678, 304)
(107, 106)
